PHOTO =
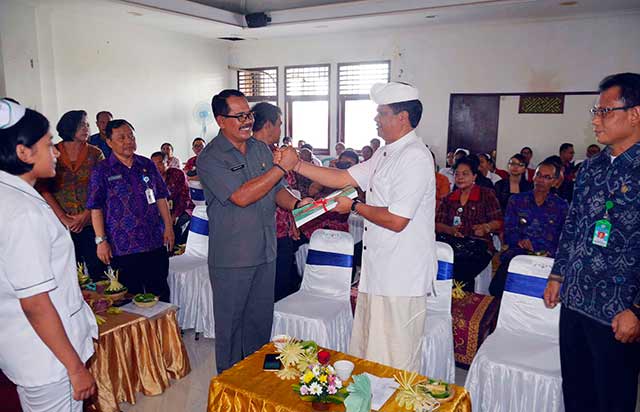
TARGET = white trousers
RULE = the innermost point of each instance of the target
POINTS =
(388, 329)
(54, 397)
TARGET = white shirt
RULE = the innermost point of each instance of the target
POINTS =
(399, 176)
(37, 256)
(493, 177)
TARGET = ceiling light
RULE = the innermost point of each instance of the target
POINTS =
(568, 3)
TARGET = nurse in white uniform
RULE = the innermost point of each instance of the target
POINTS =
(47, 328)
(399, 260)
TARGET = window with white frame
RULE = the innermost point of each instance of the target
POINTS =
(259, 84)
(355, 111)
(307, 105)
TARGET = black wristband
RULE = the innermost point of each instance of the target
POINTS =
(295, 206)
(354, 204)
(281, 168)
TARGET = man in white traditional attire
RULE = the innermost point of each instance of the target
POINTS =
(399, 260)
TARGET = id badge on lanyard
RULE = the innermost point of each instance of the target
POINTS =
(602, 230)
(151, 197)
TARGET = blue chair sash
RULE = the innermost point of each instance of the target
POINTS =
(197, 194)
(445, 270)
(525, 285)
(199, 226)
(317, 257)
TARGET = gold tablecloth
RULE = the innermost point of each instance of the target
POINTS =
(247, 388)
(136, 354)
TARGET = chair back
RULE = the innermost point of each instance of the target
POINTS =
(329, 262)
(441, 302)
(198, 238)
(197, 194)
(522, 309)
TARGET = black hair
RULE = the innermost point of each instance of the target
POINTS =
(114, 124)
(553, 162)
(166, 144)
(487, 157)
(103, 112)
(593, 145)
(159, 153)
(219, 101)
(286, 139)
(69, 124)
(264, 112)
(412, 107)
(307, 146)
(526, 148)
(629, 84)
(195, 140)
(471, 161)
(565, 146)
(520, 158)
(27, 131)
(350, 154)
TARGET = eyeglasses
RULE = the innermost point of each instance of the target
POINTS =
(517, 164)
(545, 177)
(602, 112)
(241, 117)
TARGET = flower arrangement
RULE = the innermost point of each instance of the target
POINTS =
(421, 395)
(295, 356)
(458, 291)
(319, 383)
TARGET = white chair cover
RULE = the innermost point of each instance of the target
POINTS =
(437, 359)
(517, 368)
(197, 194)
(198, 238)
(356, 227)
(301, 258)
(191, 290)
(189, 281)
(321, 309)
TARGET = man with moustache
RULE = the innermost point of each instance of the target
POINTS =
(399, 260)
(242, 187)
(595, 274)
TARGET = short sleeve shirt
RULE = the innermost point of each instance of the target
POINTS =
(132, 224)
(400, 176)
(238, 236)
(37, 257)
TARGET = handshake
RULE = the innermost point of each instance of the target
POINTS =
(286, 157)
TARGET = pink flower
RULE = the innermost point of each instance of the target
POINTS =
(304, 390)
(323, 357)
(332, 379)
(332, 390)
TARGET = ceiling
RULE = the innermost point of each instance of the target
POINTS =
(223, 18)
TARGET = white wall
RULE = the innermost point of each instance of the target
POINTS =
(151, 77)
(544, 133)
(539, 56)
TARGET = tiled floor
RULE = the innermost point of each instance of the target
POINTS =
(190, 394)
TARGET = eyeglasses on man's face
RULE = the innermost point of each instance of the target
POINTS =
(544, 177)
(241, 117)
(603, 112)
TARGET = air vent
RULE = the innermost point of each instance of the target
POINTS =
(231, 38)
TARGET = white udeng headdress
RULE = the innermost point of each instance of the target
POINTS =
(10, 113)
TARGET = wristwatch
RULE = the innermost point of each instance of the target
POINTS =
(100, 239)
(354, 204)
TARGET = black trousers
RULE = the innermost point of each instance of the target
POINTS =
(85, 247)
(598, 372)
(145, 271)
(287, 279)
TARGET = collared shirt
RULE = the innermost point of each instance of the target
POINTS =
(70, 184)
(37, 257)
(179, 194)
(96, 140)
(481, 207)
(400, 177)
(132, 224)
(238, 236)
(601, 282)
(524, 219)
